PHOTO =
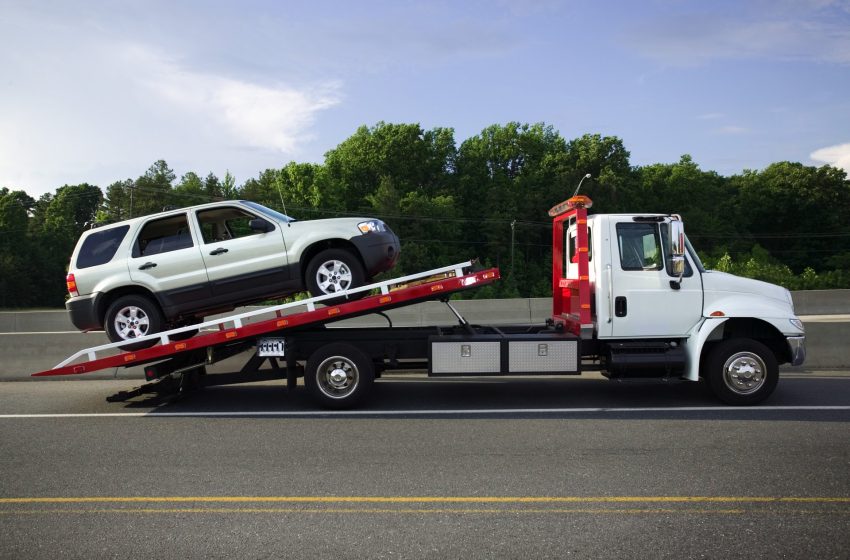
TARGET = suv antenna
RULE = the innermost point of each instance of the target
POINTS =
(580, 182)
(280, 192)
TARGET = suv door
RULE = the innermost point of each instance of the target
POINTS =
(243, 263)
(166, 258)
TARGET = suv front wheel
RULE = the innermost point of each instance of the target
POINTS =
(333, 271)
(130, 317)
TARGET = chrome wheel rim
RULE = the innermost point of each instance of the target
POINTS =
(337, 377)
(744, 373)
(131, 322)
(333, 276)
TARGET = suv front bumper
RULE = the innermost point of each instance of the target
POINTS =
(83, 312)
(379, 250)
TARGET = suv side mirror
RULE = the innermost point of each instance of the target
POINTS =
(259, 224)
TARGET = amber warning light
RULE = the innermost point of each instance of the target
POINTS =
(579, 201)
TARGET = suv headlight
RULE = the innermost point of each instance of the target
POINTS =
(371, 226)
(798, 324)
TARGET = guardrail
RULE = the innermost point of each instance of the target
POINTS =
(36, 340)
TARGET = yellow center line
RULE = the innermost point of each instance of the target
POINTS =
(379, 511)
(428, 499)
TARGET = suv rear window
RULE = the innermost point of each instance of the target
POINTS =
(100, 247)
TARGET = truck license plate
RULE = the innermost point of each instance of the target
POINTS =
(270, 347)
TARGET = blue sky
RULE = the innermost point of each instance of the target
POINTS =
(97, 91)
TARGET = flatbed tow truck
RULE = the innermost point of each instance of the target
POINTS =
(630, 299)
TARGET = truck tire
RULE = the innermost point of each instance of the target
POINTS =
(132, 316)
(339, 375)
(742, 371)
(333, 271)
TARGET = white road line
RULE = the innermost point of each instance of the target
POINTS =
(450, 412)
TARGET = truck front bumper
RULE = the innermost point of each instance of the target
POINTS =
(797, 349)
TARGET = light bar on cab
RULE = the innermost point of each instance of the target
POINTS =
(579, 201)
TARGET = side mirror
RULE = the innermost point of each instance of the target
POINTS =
(677, 238)
(677, 251)
(259, 224)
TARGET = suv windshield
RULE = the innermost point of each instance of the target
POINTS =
(268, 211)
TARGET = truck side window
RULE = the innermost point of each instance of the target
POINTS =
(640, 246)
(221, 224)
(163, 235)
(571, 241)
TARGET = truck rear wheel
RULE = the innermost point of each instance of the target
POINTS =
(339, 375)
(742, 371)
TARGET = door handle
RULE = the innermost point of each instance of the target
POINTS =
(218, 251)
(620, 309)
(147, 265)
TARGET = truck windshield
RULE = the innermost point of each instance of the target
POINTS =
(268, 212)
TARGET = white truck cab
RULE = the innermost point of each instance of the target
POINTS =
(653, 304)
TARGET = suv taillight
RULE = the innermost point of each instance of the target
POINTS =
(72, 285)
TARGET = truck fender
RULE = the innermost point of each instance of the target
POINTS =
(696, 341)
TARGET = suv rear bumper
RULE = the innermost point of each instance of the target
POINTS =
(83, 312)
(379, 250)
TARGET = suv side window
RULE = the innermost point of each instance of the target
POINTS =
(163, 235)
(640, 246)
(221, 224)
(100, 247)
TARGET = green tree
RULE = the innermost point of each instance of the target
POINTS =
(797, 213)
(153, 190)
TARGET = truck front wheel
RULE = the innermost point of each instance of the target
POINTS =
(339, 375)
(742, 371)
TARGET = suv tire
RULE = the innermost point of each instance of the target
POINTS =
(130, 317)
(332, 271)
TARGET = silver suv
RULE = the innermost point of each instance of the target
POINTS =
(166, 270)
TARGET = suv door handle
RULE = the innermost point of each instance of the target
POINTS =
(147, 265)
(218, 251)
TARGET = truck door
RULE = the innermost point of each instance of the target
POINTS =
(643, 301)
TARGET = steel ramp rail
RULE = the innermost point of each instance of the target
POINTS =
(237, 330)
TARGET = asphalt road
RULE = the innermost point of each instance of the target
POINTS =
(578, 468)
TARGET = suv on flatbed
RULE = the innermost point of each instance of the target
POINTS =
(166, 270)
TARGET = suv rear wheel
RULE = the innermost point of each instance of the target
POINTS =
(130, 317)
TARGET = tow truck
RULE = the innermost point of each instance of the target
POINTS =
(630, 298)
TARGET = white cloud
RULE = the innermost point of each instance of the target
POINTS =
(732, 129)
(273, 117)
(90, 109)
(808, 32)
(837, 156)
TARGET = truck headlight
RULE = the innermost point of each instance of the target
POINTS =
(798, 324)
(371, 226)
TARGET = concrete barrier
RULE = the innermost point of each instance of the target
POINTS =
(33, 341)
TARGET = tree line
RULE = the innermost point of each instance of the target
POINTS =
(486, 198)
